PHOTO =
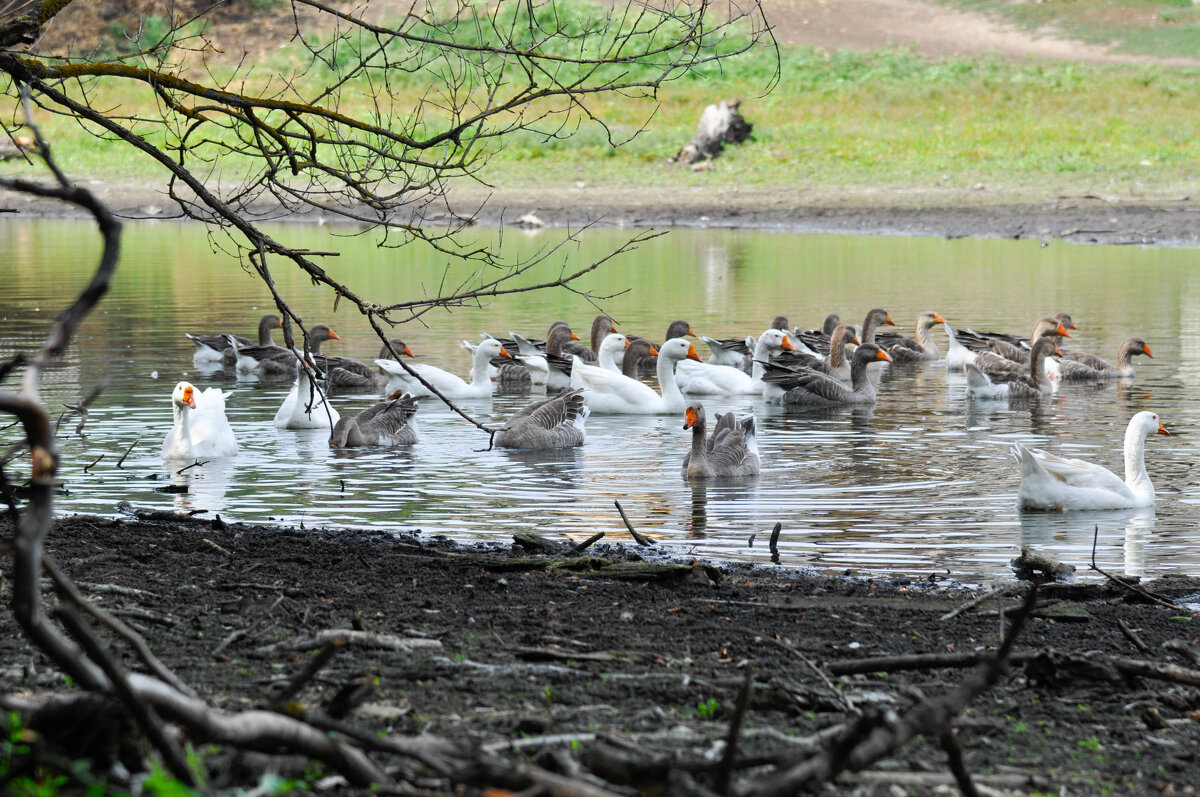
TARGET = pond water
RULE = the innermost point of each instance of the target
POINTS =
(921, 484)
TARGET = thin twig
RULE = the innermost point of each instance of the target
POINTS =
(131, 445)
(725, 770)
(641, 540)
(1150, 596)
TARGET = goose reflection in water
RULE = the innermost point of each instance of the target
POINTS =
(207, 482)
(1137, 533)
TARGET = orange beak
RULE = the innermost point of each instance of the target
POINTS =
(653, 351)
(787, 345)
(614, 328)
(1146, 351)
(574, 336)
(689, 418)
(883, 355)
(1162, 430)
(187, 398)
(889, 320)
(857, 342)
(626, 343)
(280, 324)
(504, 353)
(1057, 352)
(396, 395)
(937, 319)
(333, 335)
(1073, 324)
(1063, 330)
(408, 352)
(691, 333)
(692, 353)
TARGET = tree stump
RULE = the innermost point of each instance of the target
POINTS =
(720, 124)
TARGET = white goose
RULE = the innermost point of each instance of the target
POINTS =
(201, 428)
(608, 392)
(306, 406)
(723, 380)
(449, 385)
(1056, 483)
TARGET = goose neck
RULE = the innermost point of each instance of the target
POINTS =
(1135, 459)
(479, 367)
(666, 379)
(859, 381)
(926, 341)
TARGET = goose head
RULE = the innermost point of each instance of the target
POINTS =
(775, 339)
(1139, 346)
(831, 323)
(869, 353)
(602, 325)
(490, 349)
(560, 325)
(614, 343)
(927, 319)
(400, 346)
(340, 433)
(694, 415)
(1051, 326)
(317, 335)
(878, 317)
(641, 348)
(1065, 320)
(678, 349)
(184, 395)
(267, 323)
(680, 329)
(846, 334)
(780, 322)
(1148, 423)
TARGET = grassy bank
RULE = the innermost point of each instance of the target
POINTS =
(834, 126)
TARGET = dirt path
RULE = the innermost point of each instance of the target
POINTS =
(930, 29)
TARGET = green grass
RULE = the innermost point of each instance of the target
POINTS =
(837, 126)
(1162, 28)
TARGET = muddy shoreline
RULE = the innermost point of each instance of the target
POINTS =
(938, 213)
(553, 656)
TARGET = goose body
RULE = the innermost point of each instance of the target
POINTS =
(1006, 384)
(449, 385)
(351, 376)
(211, 347)
(1082, 367)
(967, 346)
(730, 452)
(921, 348)
(836, 365)
(556, 422)
(305, 406)
(1056, 483)
(385, 423)
(200, 428)
(273, 360)
(608, 392)
(813, 388)
(698, 378)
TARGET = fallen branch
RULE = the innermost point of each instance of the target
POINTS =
(359, 639)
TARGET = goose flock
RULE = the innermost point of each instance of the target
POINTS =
(628, 374)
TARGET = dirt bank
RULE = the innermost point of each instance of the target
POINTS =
(564, 660)
(1081, 219)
